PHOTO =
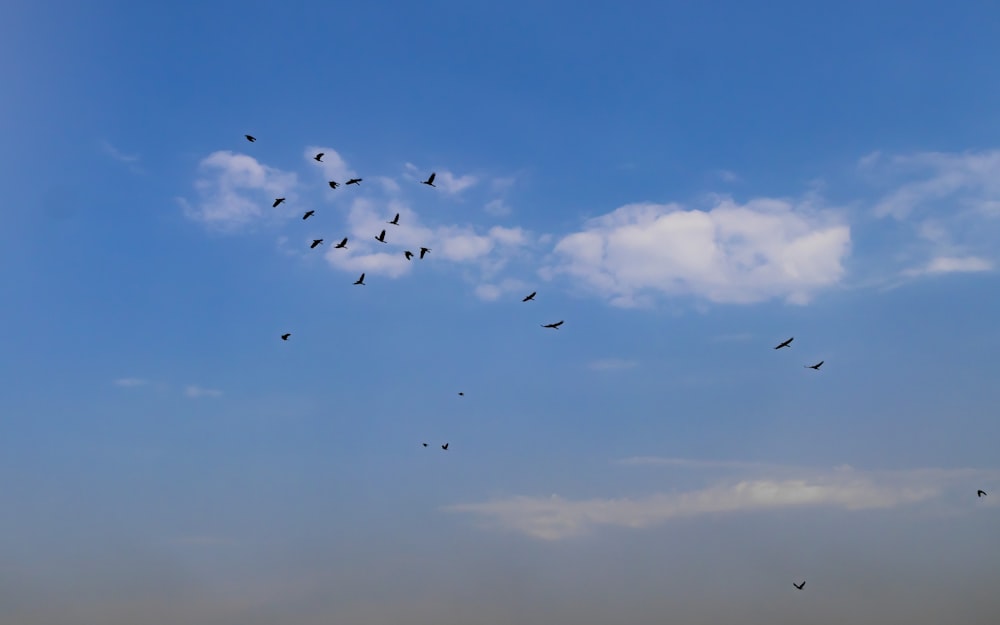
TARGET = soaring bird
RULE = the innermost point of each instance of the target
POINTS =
(354, 181)
(319, 157)
(381, 237)
(461, 394)
(424, 444)
(445, 446)
(980, 493)
(430, 181)
(423, 251)
(333, 184)
(250, 138)
(815, 366)
(395, 220)
(315, 243)
(799, 586)
(284, 337)
(341, 245)
(277, 201)
(408, 254)
(530, 297)
(308, 214)
(786, 343)
(361, 280)
(554, 326)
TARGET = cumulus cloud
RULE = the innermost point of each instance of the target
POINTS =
(235, 189)
(731, 253)
(195, 392)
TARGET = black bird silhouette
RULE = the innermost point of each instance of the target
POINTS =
(554, 326)
(461, 394)
(333, 184)
(980, 493)
(530, 297)
(277, 201)
(319, 157)
(423, 251)
(799, 586)
(424, 444)
(284, 337)
(408, 254)
(315, 243)
(361, 280)
(381, 237)
(815, 366)
(250, 138)
(786, 343)
(395, 220)
(308, 214)
(445, 446)
(354, 181)
(342, 244)
(430, 181)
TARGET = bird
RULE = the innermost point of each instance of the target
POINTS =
(799, 586)
(530, 297)
(815, 366)
(315, 243)
(333, 184)
(354, 181)
(341, 245)
(445, 446)
(308, 214)
(423, 251)
(250, 138)
(408, 254)
(395, 220)
(284, 337)
(319, 157)
(461, 394)
(277, 201)
(980, 493)
(361, 280)
(424, 444)
(554, 326)
(786, 343)
(430, 181)
(381, 237)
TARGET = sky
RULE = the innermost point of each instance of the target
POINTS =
(684, 185)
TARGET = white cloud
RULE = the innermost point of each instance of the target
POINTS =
(198, 391)
(497, 208)
(118, 155)
(731, 253)
(951, 264)
(612, 364)
(130, 382)
(236, 189)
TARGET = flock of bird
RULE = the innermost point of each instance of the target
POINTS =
(423, 251)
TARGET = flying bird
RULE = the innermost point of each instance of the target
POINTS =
(445, 446)
(361, 280)
(786, 343)
(340, 245)
(423, 251)
(980, 493)
(530, 297)
(799, 586)
(408, 254)
(381, 237)
(354, 181)
(319, 157)
(424, 444)
(308, 214)
(315, 243)
(277, 201)
(554, 326)
(461, 394)
(430, 181)
(284, 337)
(815, 366)
(333, 184)
(250, 138)
(395, 220)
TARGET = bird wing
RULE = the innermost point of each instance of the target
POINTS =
(431, 179)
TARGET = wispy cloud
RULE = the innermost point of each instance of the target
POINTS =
(118, 155)
(950, 264)
(130, 382)
(195, 392)
(612, 364)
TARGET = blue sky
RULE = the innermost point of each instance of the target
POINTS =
(685, 186)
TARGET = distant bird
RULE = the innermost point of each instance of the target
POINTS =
(333, 184)
(315, 243)
(408, 254)
(445, 446)
(423, 251)
(430, 181)
(381, 237)
(277, 201)
(395, 220)
(361, 280)
(786, 343)
(250, 138)
(424, 444)
(799, 586)
(284, 337)
(815, 366)
(980, 493)
(341, 245)
(554, 326)
(461, 394)
(530, 297)
(308, 214)
(319, 157)
(354, 181)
